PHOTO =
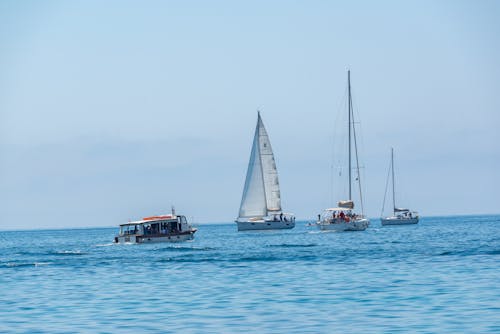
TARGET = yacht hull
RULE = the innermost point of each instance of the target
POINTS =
(142, 239)
(264, 225)
(398, 221)
(355, 225)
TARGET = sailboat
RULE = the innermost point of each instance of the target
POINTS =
(343, 218)
(260, 207)
(399, 216)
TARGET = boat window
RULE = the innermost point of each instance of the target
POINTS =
(155, 228)
(164, 227)
(128, 229)
(183, 220)
(173, 226)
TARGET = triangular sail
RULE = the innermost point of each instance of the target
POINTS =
(261, 193)
(269, 171)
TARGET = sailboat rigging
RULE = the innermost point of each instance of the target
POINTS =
(343, 217)
(400, 216)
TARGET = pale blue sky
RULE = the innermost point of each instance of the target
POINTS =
(111, 110)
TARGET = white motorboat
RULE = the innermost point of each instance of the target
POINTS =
(162, 228)
(343, 218)
(400, 216)
(260, 207)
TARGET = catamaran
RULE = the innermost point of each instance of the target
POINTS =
(162, 228)
(260, 207)
(343, 217)
(399, 216)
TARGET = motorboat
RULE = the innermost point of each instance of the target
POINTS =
(161, 228)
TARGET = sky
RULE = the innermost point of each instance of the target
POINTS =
(115, 110)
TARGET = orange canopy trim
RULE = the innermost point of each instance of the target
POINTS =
(157, 217)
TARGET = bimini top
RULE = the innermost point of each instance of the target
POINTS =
(401, 210)
(151, 219)
(346, 204)
(338, 209)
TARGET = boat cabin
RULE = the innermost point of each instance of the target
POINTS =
(405, 213)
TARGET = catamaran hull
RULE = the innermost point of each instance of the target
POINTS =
(358, 225)
(398, 221)
(151, 239)
(265, 225)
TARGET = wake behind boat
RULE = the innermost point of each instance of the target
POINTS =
(260, 207)
(400, 216)
(163, 228)
(343, 218)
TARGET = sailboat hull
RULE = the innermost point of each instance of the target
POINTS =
(264, 225)
(398, 221)
(355, 225)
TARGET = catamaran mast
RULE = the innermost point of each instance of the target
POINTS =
(349, 107)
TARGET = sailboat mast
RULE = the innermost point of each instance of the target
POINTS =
(393, 187)
(349, 106)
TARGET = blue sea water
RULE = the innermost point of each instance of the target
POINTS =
(439, 276)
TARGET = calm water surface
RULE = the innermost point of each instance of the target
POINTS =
(441, 275)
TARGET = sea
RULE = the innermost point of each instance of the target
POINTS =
(440, 276)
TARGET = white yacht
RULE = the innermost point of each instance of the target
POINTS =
(344, 218)
(399, 216)
(260, 207)
(162, 228)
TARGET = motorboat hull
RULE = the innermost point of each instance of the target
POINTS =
(140, 239)
(353, 225)
(398, 221)
(264, 225)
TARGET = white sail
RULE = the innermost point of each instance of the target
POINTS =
(269, 171)
(261, 193)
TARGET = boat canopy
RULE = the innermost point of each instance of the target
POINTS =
(401, 210)
(346, 204)
(159, 217)
(149, 220)
(132, 223)
(338, 209)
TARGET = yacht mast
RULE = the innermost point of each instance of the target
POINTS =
(349, 108)
(393, 192)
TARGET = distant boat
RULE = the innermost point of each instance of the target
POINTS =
(400, 216)
(260, 207)
(162, 228)
(343, 218)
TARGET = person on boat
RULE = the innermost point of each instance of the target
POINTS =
(284, 218)
(410, 215)
(281, 217)
(342, 215)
